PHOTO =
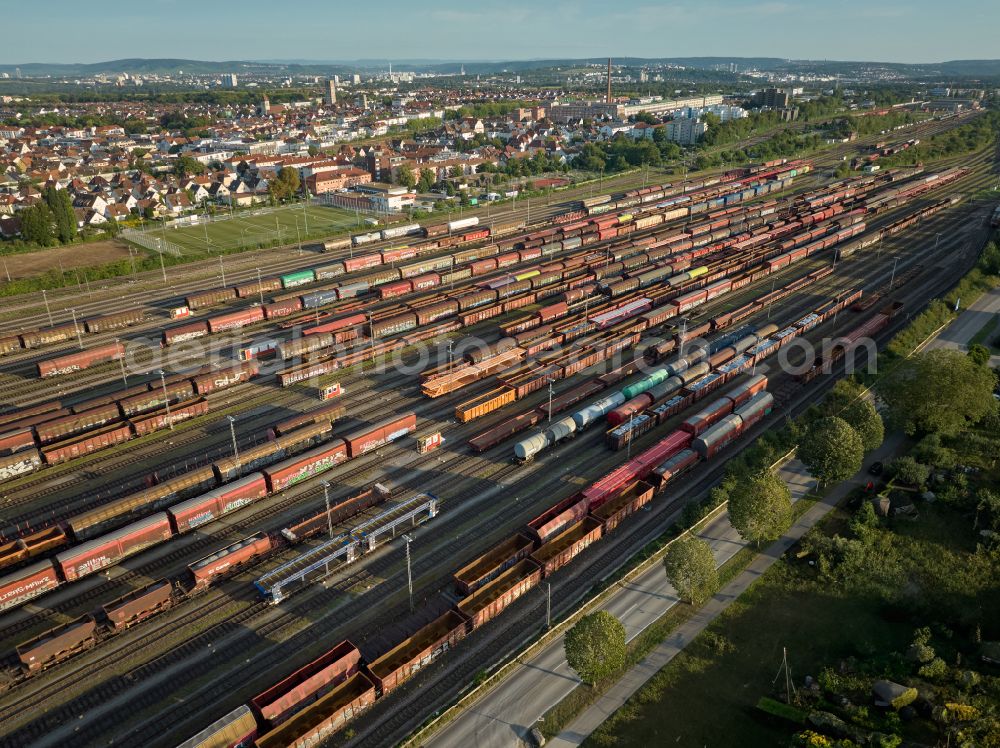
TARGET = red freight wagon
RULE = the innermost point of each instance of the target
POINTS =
(282, 308)
(234, 320)
(27, 583)
(390, 256)
(109, 549)
(81, 360)
(418, 651)
(567, 512)
(632, 499)
(57, 644)
(674, 466)
(68, 449)
(492, 564)
(37, 418)
(209, 298)
(321, 719)
(199, 510)
(490, 600)
(225, 377)
(14, 441)
(189, 331)
(80, 421)
(153, 399)
(372, 437)
(392, 290)
(9, 344)
(304, 466)
(689, 300)
(161, 420)
(425, 281)
(49, 335)
(139, 604)
(324, 414)
(308, 683)
(32, 410)
(567, 545)
(351, 264)
(702, 420)
(481, 267)
(256, 288)
(341, 323)
(229, 558)
(490, 438)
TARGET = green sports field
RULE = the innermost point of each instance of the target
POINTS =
(261, 227)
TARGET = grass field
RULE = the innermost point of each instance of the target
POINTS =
(262, 227)
(707, 694)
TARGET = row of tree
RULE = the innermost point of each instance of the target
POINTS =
(51, 221)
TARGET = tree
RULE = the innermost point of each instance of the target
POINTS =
(427, 180)
(185, 166)
(847, 400)
(941, 390)
(988, 503)
(909, 471)
(61, 205)
(762, 507)
(690, 568)
(980, 354)
(455, 172)
(595, 646)
(831, 449)
(313, 150)
(285, 185)
(36, 225)
(405, 176)
(867, 423)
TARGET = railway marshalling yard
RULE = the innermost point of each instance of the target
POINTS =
(174, 673)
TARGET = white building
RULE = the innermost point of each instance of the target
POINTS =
(685, 130)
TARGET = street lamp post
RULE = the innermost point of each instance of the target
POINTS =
(550, 401)
(409, 572)
(48, 311)
(76, 327)
(166, 400)
(223, 269)
(892, 278)
(326, 500)
(260, 287)
(232, 433)
(121, 363)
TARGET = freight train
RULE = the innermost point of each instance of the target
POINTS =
(312, 703)
(63, 642)
(70, 331)
(50, 433)
(161, 512)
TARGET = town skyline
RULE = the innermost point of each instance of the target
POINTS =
(923, 32)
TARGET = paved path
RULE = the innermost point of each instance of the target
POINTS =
(504, 715)
(957, 335)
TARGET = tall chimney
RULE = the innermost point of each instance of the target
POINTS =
(609, 80)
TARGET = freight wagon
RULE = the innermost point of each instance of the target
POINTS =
(58, 644)
(139, 604)
(226, 560)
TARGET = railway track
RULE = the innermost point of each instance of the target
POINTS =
(246, 264)
(464, 464)
(447, 551)
(735, 299)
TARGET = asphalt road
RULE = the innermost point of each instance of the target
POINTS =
(505, 714)
(957, 335)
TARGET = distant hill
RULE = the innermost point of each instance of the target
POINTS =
(962, 68)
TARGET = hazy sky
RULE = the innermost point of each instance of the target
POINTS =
(893, 30)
